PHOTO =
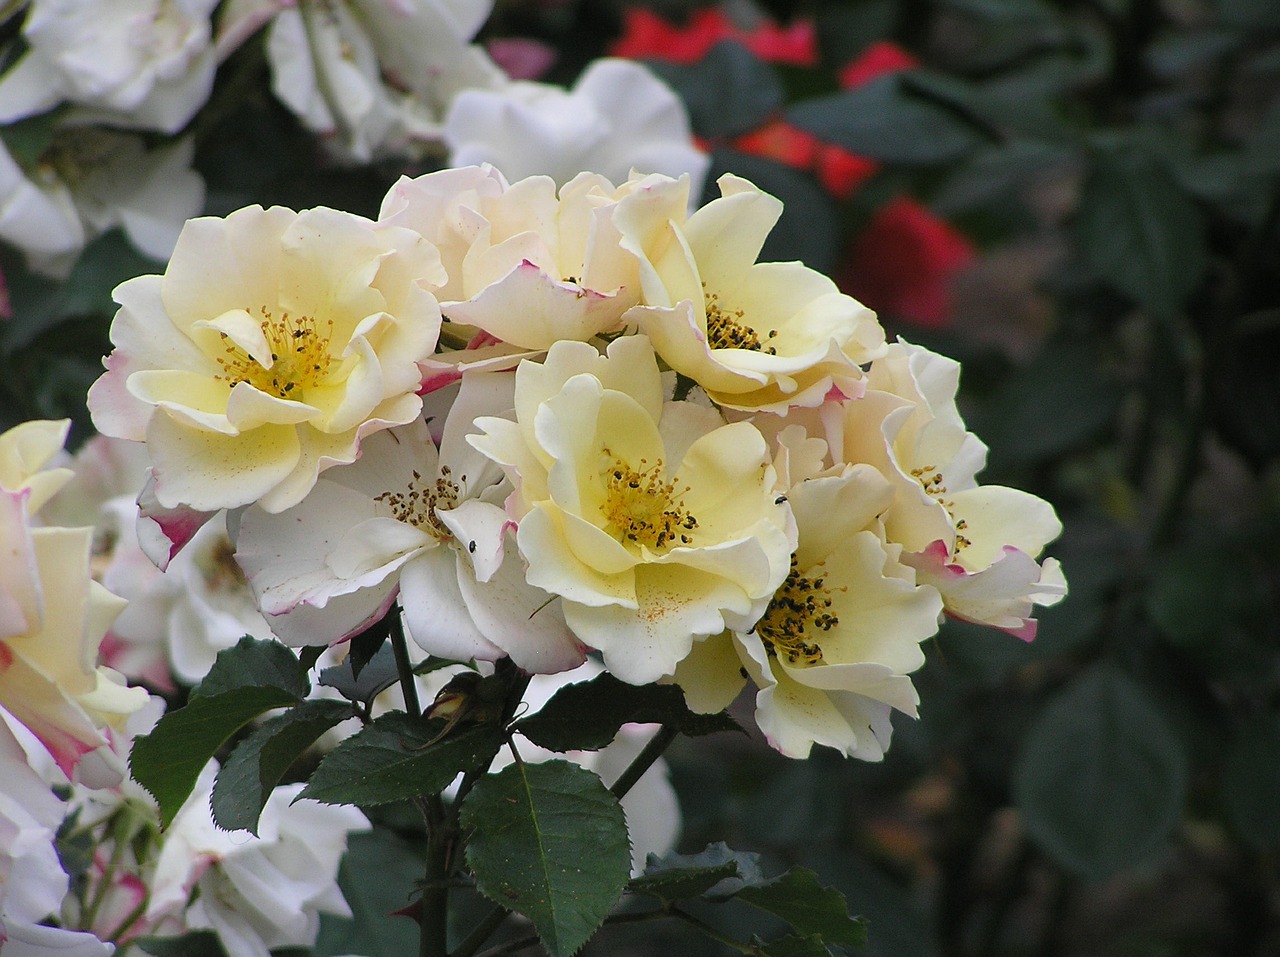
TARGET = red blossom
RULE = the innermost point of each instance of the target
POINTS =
(645, 35)
(780, 141)
(878, 59)
(904, 261)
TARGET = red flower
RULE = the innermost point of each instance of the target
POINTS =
(646, 35)
(779, 140)
(904, 261)
(842, 172)
(879, 58)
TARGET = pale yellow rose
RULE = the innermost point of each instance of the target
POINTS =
(977, 544)
(52, 620)
(656, 523)
(271, 345)
(25, 451)
(755, 336)
(530, 264)
(831, 655)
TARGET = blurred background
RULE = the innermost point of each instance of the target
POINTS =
(1080, 201)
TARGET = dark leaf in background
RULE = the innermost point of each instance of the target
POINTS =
(1101, 778)
(1251, 783)
(1060, 402)
(729, 92)
(1243, 387)
(809, 230)
(883, 120)
(530, 825)
(1139, 231)
(196, 943)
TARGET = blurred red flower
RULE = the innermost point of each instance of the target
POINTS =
(645, 35)
(903, 263)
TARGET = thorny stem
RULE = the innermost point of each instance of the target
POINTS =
(434, 917)
(403, 666)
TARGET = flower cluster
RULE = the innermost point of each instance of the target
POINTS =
(547, 423)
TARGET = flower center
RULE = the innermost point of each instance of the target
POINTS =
(643, 507)
(798, 607)
(300, 357)
(726, 329)
(417, 505)
(220, 569)
(931, 480)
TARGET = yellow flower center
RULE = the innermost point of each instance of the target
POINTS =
(643, 507)
(727, 330)
(219, 568)
(417, 505)
(799, 607)
(931, 480)
(300, 356)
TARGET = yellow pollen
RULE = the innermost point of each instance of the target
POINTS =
(930, 480)
(417, 505)
(300, 356)
(643, 507)
(800, 607)
(726, 329)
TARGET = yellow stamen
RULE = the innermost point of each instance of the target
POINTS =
(800, 607)
(643, 507)
(300, 357)
(727, 329)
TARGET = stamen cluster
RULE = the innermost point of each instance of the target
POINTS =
(727, 330)
(417, 505)
(300, 357)
(643, 507)
(799, 607)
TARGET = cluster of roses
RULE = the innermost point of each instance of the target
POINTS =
(545, 423)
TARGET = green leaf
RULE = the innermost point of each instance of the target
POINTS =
(1251, 783)
(808, 907)
(729, 92)
(258, 763)
(392, 759)
(681, 883)
(168, 760)
(793, 946)
(1250, 14)
(1196, 589)
(378, 674)
(586, 715)
(1139, 231)
(196, 943)
(1050, 389)
(370, 931)
(29, 138)
(1101, 778)
(255, 663)
(663, 878)
(550, 842)
(883, 120)
(365, 645)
